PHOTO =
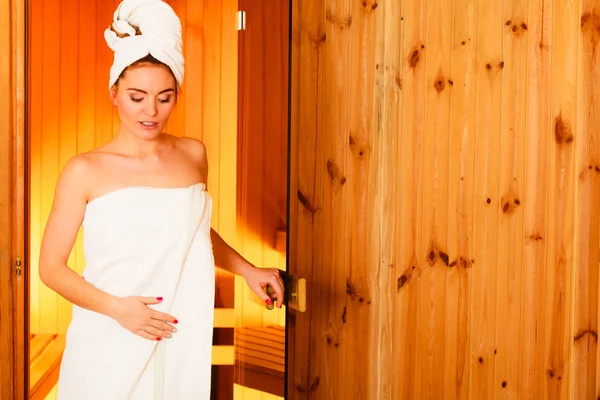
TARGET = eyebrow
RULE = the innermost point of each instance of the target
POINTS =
(143, 91)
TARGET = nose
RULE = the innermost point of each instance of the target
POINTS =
(151, 109)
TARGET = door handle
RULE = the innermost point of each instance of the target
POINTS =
(295, 292)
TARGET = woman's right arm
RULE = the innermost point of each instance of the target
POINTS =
(64, 221)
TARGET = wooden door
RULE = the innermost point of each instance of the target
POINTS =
(261, 191)
(12, 200)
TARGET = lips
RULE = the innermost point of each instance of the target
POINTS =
(148, 124)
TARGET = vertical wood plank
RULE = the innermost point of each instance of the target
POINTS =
(103, 119)
(486, 203)
(560, 369)
(69, 77)
(297, 327)
(50, 135)
(10, 183)
(211, 122)
(434, 244)
(386, 149)
(19, 303)
(588, 206)
(510, 228)
(535, 200)
(410, 179)
(306, 183)
(360, 164)
(35, 99)
(462, 84)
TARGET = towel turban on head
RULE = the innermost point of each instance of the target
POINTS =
(141, 28)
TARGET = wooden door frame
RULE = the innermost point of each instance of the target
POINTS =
(13, 346)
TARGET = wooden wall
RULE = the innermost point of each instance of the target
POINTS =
(71, 113)
(445, 199)
(12, 190)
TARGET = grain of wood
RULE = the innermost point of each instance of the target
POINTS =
(8, 106)
(488, 75)
(409, 179)
(535, 197)
(433, 249)
(585, 332)
(386, 147)
(462, 84)
(510, 226)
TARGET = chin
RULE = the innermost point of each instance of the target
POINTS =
(148, 134)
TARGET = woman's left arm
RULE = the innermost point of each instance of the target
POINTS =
(225, 256)
(256, 278)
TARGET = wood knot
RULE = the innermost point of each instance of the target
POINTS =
(369, 7)
(414, 57)
(444, 257)
(440, 84)
(402, 281)
(504, 383)
(562, 131)
(407, 276)
(590, 26)
(315, 384)
(480, 360)
(431, 258)
(306, 203)
(509, 204)
(339, 23)
(583, 334)
(535, 237)
(300, 389)
(551, 373)
(360, 151)
(336, 175)
(518, 29)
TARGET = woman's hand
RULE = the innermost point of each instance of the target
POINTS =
(258, 279)
(134, 315)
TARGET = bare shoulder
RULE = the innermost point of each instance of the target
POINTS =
(77, 169)
(194, 148)
(78, 174)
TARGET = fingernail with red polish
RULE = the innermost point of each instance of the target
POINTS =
(159, 298)
(268, 301)
(158, 338)
(175, 322)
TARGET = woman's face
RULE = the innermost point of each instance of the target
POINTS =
(145, 97)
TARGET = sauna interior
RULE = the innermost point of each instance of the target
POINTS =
(234, 99)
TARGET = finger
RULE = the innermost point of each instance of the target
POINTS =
(150, 300)
(163, 326)
(163, 317)
(148, 336)
(261, 293)
(278, 291)
(281, 282)
(157, 332)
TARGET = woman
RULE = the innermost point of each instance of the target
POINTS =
(143, 309)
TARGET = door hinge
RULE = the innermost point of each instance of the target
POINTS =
(241, 20)
(18, 267)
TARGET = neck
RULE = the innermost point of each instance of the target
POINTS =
(135, 146)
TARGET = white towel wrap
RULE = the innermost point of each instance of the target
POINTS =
(143, 27)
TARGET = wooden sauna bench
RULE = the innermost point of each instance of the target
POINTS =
(260, 358)
(45, 354)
